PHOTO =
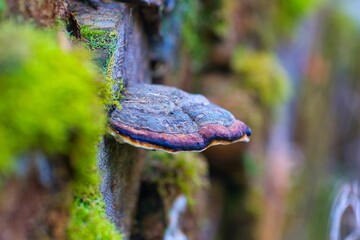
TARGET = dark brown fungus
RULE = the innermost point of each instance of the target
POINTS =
(169, 119)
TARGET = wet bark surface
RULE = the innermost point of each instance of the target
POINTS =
(121, 166)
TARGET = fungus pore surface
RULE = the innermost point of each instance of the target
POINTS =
(166, 118)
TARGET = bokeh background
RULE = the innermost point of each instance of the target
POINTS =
(290, 69)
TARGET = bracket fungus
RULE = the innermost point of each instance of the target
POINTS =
(169, 119)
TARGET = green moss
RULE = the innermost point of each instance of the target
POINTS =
(264, 23)
(2, 7)
(339, 31)
(108, 95)
(87, 214)
(287, 13)
(49, 102)
(103, 45)
(192, 42)
(280, 19)
(262, 74)
(186, 172)
(99, 38)
(88, 218)
(48, 96)
(96, 39)
(192, 32)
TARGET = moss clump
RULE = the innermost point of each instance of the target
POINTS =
(103, 45)
(287, 13)
(340, 30)
(49, 103)
(112, 90)
(47, 97)
(280, 18)
(2, 7)
(176, 173)
(262, 74)
(192, 32)
(97, 39)
(88, 218)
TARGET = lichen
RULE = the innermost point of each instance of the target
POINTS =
(177, 173)
(261, 73)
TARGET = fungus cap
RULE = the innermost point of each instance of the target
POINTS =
(169, 119)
